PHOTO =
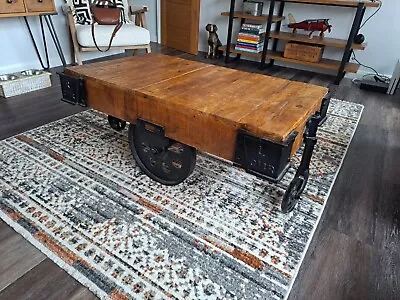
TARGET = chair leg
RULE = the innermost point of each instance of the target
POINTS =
(71, 46)
(72, 50)
(144, 21)
(75, 45)
(148, 49)
(78, 57)
(137, 19)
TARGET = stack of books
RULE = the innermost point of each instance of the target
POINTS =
(250, 38)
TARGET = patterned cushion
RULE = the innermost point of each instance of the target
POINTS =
(83, 15)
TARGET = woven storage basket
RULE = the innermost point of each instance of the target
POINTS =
(304, 52)
(34, 80)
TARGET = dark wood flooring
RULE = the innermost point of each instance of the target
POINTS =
(355, 252)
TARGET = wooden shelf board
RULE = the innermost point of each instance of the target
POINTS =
(27, 14)
(345, 3)
(338, 43)
(325, 63)
(239, 14)
(223, 48)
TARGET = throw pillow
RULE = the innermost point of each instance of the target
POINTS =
(83, 15)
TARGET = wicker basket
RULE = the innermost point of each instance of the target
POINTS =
(304, 52)
(23, 82)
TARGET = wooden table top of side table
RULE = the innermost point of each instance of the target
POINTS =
(199, 104)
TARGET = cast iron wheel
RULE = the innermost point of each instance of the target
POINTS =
(162, 159)
(293, 192)
(116, 124)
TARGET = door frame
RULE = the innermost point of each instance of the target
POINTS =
(158, 20)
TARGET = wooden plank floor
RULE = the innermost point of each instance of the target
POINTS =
(355, 252)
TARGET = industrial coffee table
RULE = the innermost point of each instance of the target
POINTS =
(175, 106)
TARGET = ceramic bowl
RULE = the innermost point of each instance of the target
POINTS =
(31, 72)
(8, 77)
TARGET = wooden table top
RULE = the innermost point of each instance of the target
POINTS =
(266, 106)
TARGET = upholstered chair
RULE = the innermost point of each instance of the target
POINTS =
(133, 34)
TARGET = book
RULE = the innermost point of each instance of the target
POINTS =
(246, 50)
(250, 35)
(249, 44)
(251, 25)
(249, 29)
(250, 39)
(252, 31)
(241, 45)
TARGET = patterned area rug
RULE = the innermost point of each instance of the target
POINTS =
(73, 190)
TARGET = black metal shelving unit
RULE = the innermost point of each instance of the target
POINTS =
(341, 66)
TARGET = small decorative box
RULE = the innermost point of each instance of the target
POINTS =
(23, 82)
(303, 51)
(253, 8)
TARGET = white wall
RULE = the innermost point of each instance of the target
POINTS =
(17, 51)
(151, 16)
(382, 32)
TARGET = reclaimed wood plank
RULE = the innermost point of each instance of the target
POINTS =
(138, 71)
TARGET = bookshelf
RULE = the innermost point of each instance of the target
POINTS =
(340, 66)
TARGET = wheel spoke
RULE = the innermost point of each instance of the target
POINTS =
(162, 159)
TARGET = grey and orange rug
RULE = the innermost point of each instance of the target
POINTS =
(73, 190)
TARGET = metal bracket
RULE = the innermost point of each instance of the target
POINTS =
(262, 157)
(324, 109)
(310, 139)
(73, 89)
(149, 126)
(299, 182)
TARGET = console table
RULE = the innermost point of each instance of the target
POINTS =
(43, 9)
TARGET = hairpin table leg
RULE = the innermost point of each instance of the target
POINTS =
(54, 36)
(35, 45)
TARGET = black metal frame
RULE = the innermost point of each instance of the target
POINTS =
(277, 30)
(348, 49)
(53, 33)
(262, 157)
(324, 109)
(299, 182)
(73, 89)
(310, 139)
(267, 33)
(230, 27)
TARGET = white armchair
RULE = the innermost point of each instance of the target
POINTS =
(133, 34)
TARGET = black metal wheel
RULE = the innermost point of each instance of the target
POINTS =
(162, 159)
(293, 192)
(116, 124)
